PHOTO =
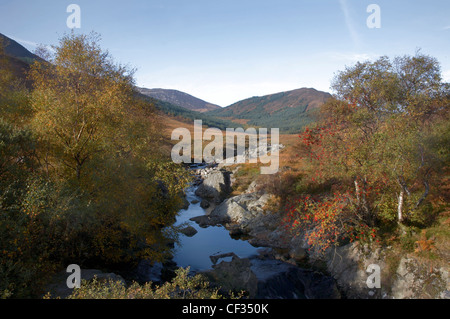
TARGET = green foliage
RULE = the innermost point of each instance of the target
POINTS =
(287, 111)
(381, 140)
(408, 239)
(288, 120)
(244, 176)
(182, 286)
(387, 210)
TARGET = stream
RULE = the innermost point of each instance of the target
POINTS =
(261, 275)
(214, 240)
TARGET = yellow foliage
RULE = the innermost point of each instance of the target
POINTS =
(424, 244)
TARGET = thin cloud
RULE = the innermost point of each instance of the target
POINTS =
(26, 42)
(349, 22)
(32, 44)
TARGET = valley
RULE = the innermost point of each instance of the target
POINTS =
(87, 177)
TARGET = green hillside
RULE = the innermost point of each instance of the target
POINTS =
(289, 111)
(178, 111)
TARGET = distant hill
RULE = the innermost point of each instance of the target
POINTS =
(19, 58)
(180, 99)
(189, 115)
(290, 111)
(16, 50)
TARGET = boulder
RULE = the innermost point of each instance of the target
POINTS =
(147, 271)
(297, 249)
(185, 203)
(234, 276)
(203, 221)
(417, 280)
(245, 210)
(230, 211)
(205, 204)
(406, 278)
(272, 279)
(252, 187)
(344, 264)
(215, 187)
(188, 231)
(215, 258)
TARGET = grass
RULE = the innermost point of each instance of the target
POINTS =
(244, 176)
(427, 244)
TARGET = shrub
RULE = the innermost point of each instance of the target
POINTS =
(182, 286)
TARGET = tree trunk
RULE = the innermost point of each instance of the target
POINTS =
(357, 192)
(361, 200)
(425, 194)
(400, 206)
(365, 205)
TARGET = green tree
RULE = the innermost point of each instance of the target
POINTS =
(390, 106)
(378, 140)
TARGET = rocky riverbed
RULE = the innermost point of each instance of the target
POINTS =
(283, 267)
(345, 267)
(245, 215)
(273, 272)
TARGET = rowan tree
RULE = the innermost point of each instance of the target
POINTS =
(377, 139)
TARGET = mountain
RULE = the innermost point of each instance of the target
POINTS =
(18, 58)
(180, 98)
(17, 51)
(290, 111)
(184, 114)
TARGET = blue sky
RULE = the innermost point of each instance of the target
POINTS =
(225, 51)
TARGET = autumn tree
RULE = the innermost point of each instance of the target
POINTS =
(83, 178)
(374, 139)
(79, 100)
(101, 143)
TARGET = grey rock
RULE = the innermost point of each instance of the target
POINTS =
(235, 276)
(215, 258)
(215, 187)
(241, 209)
(298, 254)
(205, 204)
(252, 187)
(185, 203)
(203, 221)
(188, 231)
(272, 279)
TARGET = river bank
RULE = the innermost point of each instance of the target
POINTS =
(246, 216)
(239, 244)
(230, 248)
